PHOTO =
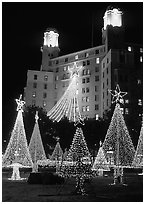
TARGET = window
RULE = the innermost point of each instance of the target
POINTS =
(96, 52)
(107, 92)
(96, 98)
(107, 70)
(34, 85)
(57, 61)
(107, 102)
(45, 78)
(84, 63)
(103, 64)
(96, 107)
(107, 81)
(139, 102)
(88, 62)
(96, 88)
(35, 77)
(76, 57)
(129, 49)
(44, 95)
(83, 109)
(83, 99)
(141, 50)
(56, 78)
(107, 60)
(97, 60)
(44, 103)
(103, 95)
(83, 80)
(84, 72)
(87, 98)
(87, 80)
(86, 54)
(55, 86)
(34, 94)
(97, 117)
(103, 74)
(83, 90)
(88, 72)
(103, 85)
(66, 60)
(57, 69)
(77, 91)
(87, 108)
(45, 86)
(96, 78)
(140, 58)
(65, 69)
(87, 90)
(96, 69)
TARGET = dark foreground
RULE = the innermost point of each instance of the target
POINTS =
(97, 189)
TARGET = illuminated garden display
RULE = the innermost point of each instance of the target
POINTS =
(118, 139)
(17, 153)
(100, 163)
(138, 157)
(36, 148)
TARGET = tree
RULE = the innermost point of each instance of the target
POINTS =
(17, 152)
(138, 157)
(57, 152)
(36, 148)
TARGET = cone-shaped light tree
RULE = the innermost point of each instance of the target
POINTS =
(100, 163)
(57, 152)
(17, 152)
(36, 148)
(138, 157)
(118, 139)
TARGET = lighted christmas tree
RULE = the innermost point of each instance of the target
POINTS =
(68, 106)
(36, 148)
(100, 163)
(78, 161)
(17, 152)
(57, 152)
(118, 139)
(138, 157)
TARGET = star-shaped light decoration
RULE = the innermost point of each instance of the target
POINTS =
(20, 103)
(117, 95)
(36, 117)
(75, 70)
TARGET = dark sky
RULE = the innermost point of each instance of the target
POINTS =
(23, 25)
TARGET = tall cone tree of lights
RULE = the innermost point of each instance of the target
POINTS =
(100, 163)
(68, 105)
(36, 148)
(17, 152)
(78, 161)
(57, 152)
(138, 157)
(118, 139)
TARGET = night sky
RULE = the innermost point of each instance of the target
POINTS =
(23, 25)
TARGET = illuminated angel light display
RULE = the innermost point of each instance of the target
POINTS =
(138, 157)
(118, 140)
(77, 162)
(100, 163)
(17, 153)
(113, 17)
(36, 148)
(68, 105)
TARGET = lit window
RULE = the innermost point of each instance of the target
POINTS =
(139, 102)
(126, 101)
(87, 108)
(45, 78)
(44, 103)
(97, 116)
(44, 95)
(77, 91)
(35, 77)
(65, 69)
(87, 71)
(126, 111)
(129, 49)
(97, 60)
(122, 110)
(139, 81)
(83, 80)
(45, 86)
(34, 85)
(87, 90)
(34, 94)
(140, 114)
(87, 99)
(86, 54)
(141, 50)
(140, 58)
(76, 57)
(96, 107)
(83, 109)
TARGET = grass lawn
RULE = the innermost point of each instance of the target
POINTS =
(97, 189)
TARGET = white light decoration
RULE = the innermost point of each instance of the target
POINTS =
(36, 148)
(17, 152)
(51, 38)
(68, 105)
(57, 153)
(78, 162)
(112, 17)
(138, 157)
(100, 163)
(117, 95)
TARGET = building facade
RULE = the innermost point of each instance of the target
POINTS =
(103, 67)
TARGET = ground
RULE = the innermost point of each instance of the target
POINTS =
(97, 189)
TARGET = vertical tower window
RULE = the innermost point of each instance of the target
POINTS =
(87, 108)
(97, 60)
(76, 57)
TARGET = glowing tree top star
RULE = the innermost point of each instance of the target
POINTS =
(117, 94)
(68, 105)
(20, 103)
